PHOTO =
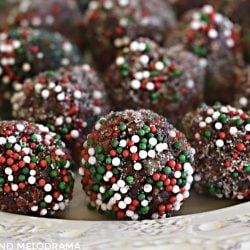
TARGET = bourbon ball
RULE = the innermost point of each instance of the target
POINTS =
(34, 170)
(62, 16)
(26, 52)
(69, 101)
(144, 75)
(135, 165)
(111, 24)
(220, 136)
(216, 40)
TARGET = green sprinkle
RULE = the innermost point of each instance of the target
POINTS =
(167, 170)
(122, 126)
(108, 160)
(146, 129)
(43, 204)
(101, 169)
(141, 132)
(95, 187)
(177, 145)
(247, 169)
(182, 158)
(25, 170)
(142, 146)
(53, 173)
(144, 210)
(207, 134)
(2, 180)
(115, 143)
(21, 178)
(62, 185)
(130, 179)
(98, 149)
(159, 184)
(141, 197)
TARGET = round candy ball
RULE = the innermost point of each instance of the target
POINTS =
(242, 92)
(68, 101)
(145, 75)
(63, 16)
(34, 170)
(26, 52)
(220, 136)
(111, 24)
(215, 39)
(135, 165)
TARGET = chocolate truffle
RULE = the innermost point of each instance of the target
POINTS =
(145, 75)
(215, 39)
(242, 93)
(34, 170)
(111, 24)
(62, 16)
(220, 136)
(68, 101)
(26, 52)
(136, 166)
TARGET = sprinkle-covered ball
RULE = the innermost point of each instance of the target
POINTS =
(135, 165)
(34, 170)
(63, 16)
(111, 24)
(68, 101)
(215, 39)
(26, 52)
(242, 92)
(145, 75)
(221, 138)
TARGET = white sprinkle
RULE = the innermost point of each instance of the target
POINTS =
(151, 153)
(59, 121)
(243, 101)
(144, 59)
(61, 96)
(159, 66)
(109, 174)
(144, 203)
(135, 138)
(216, 115)
(45, 93)
(120, 60)
(48, 198)
(137, 166)
(17, 147)
(77, 94)
(213, 34)
(60, 198)
(177, 174)
(26, 67)
(128, 200)
(91, 151)
(147, 188)
(10, 178)
(31, 180)
(219, 143)
(150, 86)
(123, 143)
(26, 159)
(34, 208)
(12, 139)
(133, 149)
(233, 130)
(20, 127)
(43, 212)
(32, 172)
(152, 141)
(208, 120)
(172, 134)
(8, 171)
(121, 183)
(116, 161)
(247, 127)
(115, 187)
(202, 124)
(117, 196)
(14, 187)
(122, 205)
(143, 154)
(179, 197)
(218, 125)
(135, 84)
(92, 160)
(176, 189)
(47, 187)
(2, 140)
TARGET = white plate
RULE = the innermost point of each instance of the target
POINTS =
(79, 228)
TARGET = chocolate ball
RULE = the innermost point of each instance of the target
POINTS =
(26, 52)
(61, 16)
(242, 93)
(68, 101)
(111, 24)
(136, 166)
(34, 170)
(216, 40)
(220, 136)
(145, 75)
